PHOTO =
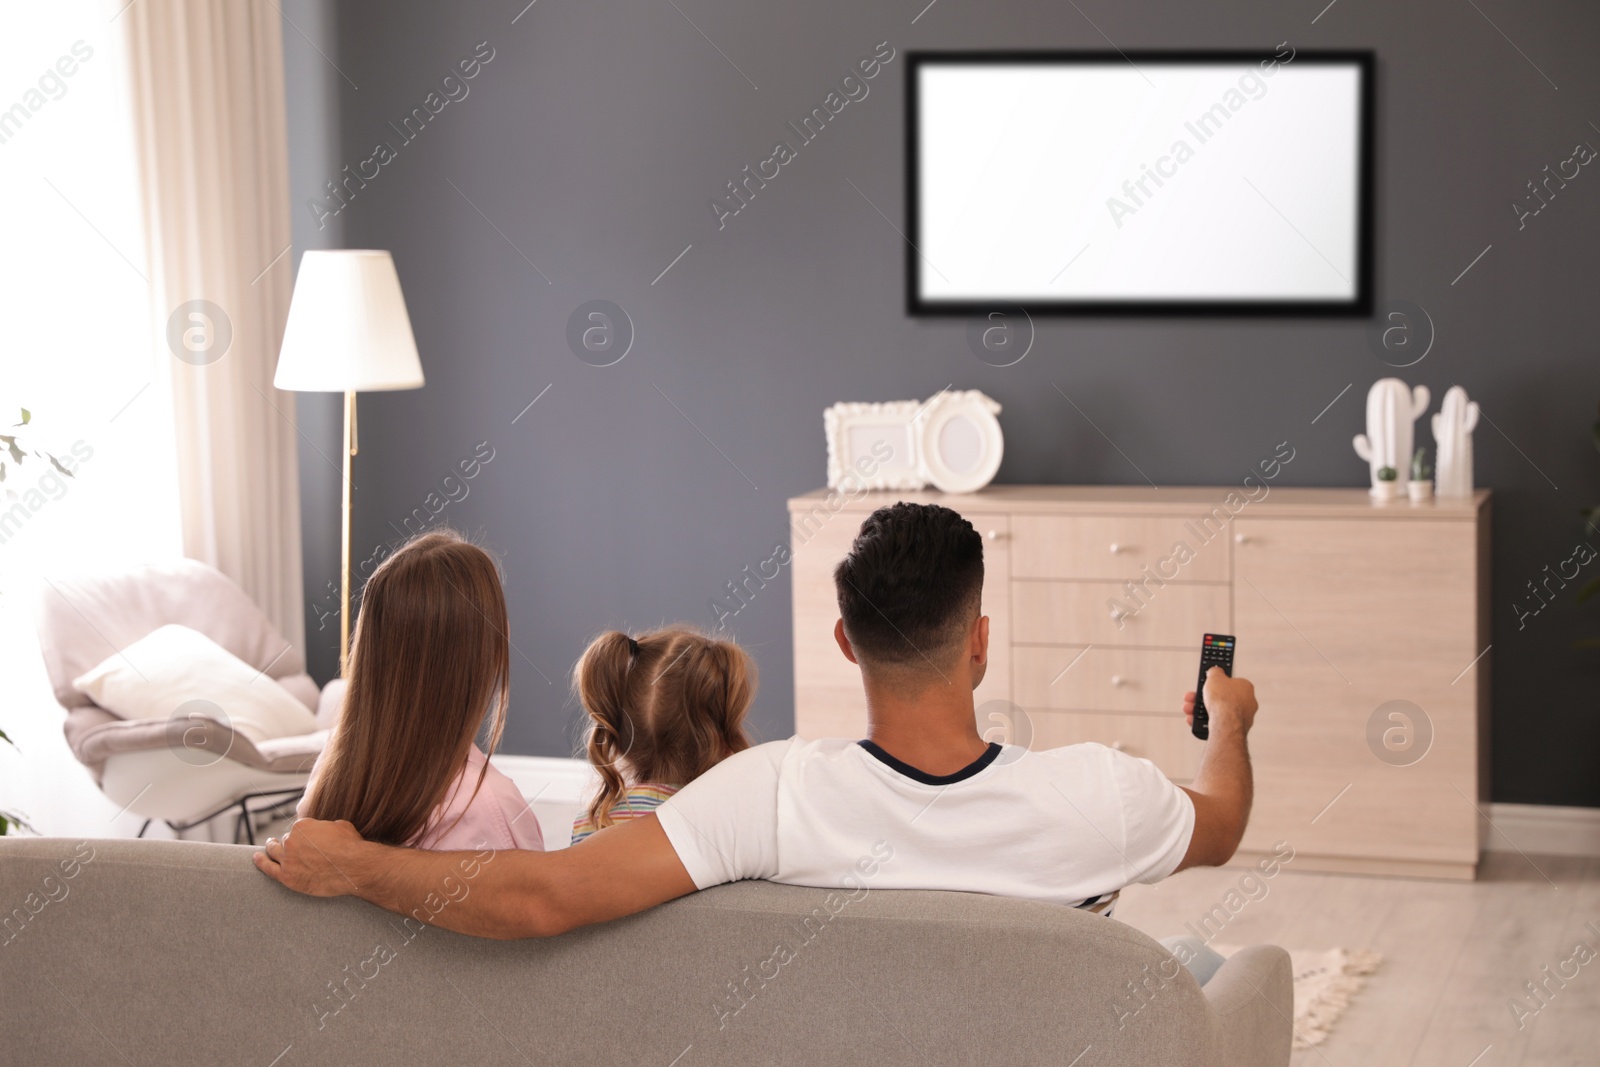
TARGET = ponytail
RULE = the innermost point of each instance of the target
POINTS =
(601, 679)
(719, 684)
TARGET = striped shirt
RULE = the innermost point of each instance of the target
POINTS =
(639, 800)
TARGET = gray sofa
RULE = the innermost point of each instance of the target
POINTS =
(166, 952)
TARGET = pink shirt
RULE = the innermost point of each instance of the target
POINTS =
(498, 817)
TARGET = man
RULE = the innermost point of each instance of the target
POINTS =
(922, 803)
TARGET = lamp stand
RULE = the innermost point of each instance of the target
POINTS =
(350, 447)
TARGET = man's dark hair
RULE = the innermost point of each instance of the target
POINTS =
(910, 586)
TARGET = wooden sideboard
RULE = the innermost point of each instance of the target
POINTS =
(1340, 604)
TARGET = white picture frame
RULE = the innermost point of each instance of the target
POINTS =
(874, 446)
(959, 442)
(952, 441)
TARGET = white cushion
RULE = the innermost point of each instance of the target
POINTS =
(169, 667)
(126, 605)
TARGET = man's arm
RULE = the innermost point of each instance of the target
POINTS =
(623, 869)
(1223, 788)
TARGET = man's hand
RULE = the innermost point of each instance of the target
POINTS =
(1223, 787)
(314, 858)
(1229, 701)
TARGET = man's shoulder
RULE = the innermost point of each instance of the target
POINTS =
(817, 746)
(1072, 756)
(1086, 766)
(1099, 772)
(740, 770)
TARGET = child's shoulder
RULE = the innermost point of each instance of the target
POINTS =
(651, 793)
(636, 801)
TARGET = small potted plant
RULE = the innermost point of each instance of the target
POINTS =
(1421, 485)
(1388, 488)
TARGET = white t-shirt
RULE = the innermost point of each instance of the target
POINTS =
(1068, 825)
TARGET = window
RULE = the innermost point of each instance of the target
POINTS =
(77, 348)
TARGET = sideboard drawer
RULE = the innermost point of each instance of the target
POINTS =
(1162, 739)
(1086, 613)
(1118, 546)
(1102, 679)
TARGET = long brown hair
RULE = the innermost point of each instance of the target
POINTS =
(664, 708)
(429, 661)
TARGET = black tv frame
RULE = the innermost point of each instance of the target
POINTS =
(1359, 307)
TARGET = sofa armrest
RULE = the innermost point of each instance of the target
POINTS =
(1252, 1001)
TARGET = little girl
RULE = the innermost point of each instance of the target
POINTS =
(663, 710)
(430, 660)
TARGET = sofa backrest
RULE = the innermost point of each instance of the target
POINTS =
(84, 619)
(181, 952)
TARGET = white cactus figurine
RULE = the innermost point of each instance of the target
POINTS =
(1452, 438)
(1392, 407)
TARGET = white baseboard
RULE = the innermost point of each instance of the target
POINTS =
(558, 787)
(1540, 829)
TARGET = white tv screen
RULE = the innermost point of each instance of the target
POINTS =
(1164, 182)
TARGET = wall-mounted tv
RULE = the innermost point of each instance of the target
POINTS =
(1110, 183)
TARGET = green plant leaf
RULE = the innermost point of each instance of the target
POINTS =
(7, 739)
(1590, 588)
(15, 821)
(56, 463)
(16, 453)
(27, 417)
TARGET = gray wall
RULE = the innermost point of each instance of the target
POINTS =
(590, 146)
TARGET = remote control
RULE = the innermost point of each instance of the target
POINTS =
(1215, 651)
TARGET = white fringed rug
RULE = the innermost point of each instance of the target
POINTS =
(1324, 982)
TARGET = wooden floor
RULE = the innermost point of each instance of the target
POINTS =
(1455, 955)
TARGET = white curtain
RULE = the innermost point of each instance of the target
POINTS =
(209, 127)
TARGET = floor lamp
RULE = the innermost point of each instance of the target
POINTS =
(348, 332)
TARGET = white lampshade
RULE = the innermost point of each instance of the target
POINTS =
(348, 329)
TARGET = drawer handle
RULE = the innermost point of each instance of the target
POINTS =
(1116, 548)
(995, 535)
(1240, 539)
(1117, 745)
(1118, 613)
(1117, 680)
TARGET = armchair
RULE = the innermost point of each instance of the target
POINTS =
(137, 764)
